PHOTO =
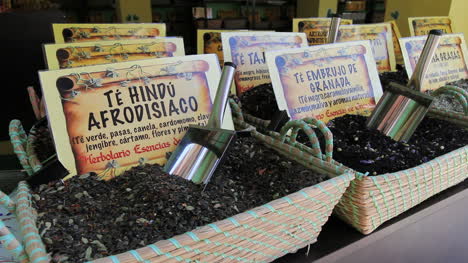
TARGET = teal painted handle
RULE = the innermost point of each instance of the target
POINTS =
(297, 125)
(10, 243)
(19, 139)
(327, 134)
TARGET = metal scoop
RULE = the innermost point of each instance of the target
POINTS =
(401, 109)
(202, 148)
(334, 28)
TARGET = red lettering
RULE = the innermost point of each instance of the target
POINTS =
(329, 113)
(104, 156)
(150, 148)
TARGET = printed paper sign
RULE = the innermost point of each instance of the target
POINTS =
(380, 36)
(66, 33)
(396, 43)
(72, 55)
(107, 118)
(420, 26)
(10, 221)
(316, 29)
(209, 42)
(246, 50)
(325, 81)
(448, 64)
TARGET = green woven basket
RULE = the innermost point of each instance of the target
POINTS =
(262, 234)
(372, 200)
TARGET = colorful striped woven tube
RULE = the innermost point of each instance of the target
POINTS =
(6, 202)
(450, 116)
(296, 126)
(306, 127)
(237, 112)
(26, 216)
(24, 146)
(327, 134)
(19, 139)
(372, 200)
(256, 121)
(31, 250)
(12, 244)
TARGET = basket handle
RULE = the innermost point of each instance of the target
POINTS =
(327, 134)
(238, 117)
(6, 202)
(19, 140)
(245, 117)
(236, 110)
(305, 125)
(458, 93)
(295, 126)
(11, 243)
(8, 240)
(26, 217)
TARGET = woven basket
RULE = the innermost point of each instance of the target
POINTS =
(372, 200)
(19, 140)
(262, 234)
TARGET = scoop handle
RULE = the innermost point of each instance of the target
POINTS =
(425, 59)
(220, 102)
(333, 30)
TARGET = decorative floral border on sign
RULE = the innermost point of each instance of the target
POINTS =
(110, 32)
(245, 41)
(117, 52)
(285, 62)
(86, 81)
(322, 23)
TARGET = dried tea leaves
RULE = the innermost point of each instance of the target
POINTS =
(260, 101)
(370, 151)
(86, 218)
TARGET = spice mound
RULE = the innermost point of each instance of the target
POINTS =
(86, 218)
(370, 151)
(398, 76)
(260, 102)
(448, 102)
